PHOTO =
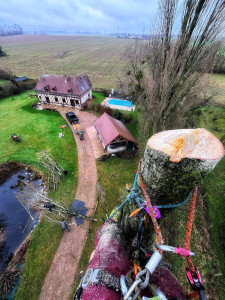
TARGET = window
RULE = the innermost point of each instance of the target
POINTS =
(77, 102)
(56, 99)
(39, 97)
(117, 145)
(63, 100)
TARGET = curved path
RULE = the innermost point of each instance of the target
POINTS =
(58, 284)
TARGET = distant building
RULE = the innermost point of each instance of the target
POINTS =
(114, 136)
(18, 80)
(64, 90)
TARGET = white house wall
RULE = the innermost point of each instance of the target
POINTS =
(42, 98)
(87, 96)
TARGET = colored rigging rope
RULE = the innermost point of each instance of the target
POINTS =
(152, 214)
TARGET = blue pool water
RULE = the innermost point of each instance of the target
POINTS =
(120, 102)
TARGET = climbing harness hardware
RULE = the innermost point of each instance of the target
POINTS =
(142, 278)
(196, 283)
(97, 276)
(176, 250)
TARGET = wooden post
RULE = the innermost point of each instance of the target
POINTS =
(175, 161)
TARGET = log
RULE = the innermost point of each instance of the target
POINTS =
(175, 161)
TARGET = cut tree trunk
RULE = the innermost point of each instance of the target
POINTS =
(175, 161)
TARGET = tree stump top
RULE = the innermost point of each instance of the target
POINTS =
(187, 143)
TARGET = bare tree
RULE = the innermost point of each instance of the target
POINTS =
(219, 64)
(163, 74)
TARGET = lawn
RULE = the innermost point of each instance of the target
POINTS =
(213, 118)
(38, 131)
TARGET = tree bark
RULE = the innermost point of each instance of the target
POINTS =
(176, 161)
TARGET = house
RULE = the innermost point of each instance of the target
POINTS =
(114, 136)
(64, 90)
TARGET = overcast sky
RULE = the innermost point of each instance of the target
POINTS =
(79, 15)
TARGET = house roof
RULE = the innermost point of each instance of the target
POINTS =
(110, 128)
(18, 79)
(62, 84)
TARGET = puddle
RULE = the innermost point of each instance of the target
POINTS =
(17, 221)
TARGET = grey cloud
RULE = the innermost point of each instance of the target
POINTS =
(88, 15)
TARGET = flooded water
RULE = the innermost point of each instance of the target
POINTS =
(14, 217)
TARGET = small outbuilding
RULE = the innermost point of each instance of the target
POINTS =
(18, 80)
(64, 90)
(114, 136)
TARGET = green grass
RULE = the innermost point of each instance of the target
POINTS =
(213, 118)
(99, 97)
(218, 82)
(38, 131)
(3, 82)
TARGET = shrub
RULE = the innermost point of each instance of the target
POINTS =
(109, 110)
(6, 75)
(127, 118)
(2, 53)
(117, 114)
(97, 107)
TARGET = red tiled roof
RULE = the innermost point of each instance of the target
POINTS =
(62, 84)
(110, 128)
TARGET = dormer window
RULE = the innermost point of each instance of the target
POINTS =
(70, 90)
(46, 88)
(82, 88)
(54, 88)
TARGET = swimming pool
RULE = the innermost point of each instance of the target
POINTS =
(120, 102)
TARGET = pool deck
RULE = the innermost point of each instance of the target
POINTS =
(105, 103)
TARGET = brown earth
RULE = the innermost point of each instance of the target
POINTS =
(15, 40)
(59, 281)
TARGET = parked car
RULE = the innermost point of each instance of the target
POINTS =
(72, 118)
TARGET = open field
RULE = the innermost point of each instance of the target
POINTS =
(31, 56)
(100, 57)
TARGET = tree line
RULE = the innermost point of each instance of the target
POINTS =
(10, 30)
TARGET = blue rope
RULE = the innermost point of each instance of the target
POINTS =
(131, 196)
(134, 196)
(174, 205)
